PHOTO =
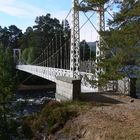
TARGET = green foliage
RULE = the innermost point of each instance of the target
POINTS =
(46, 34)
(29, 54)
(95, 2)
(129, 13)
(6, 72)
(91, 5)
(121, 42)
(122, 47)
(52, 117)
(9, 37)
(7, 88)
(85, 52)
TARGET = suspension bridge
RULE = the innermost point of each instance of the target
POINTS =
(62, 64)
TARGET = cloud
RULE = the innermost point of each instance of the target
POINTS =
(6, 1)
(20, 9)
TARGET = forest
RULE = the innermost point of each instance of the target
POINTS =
(121, 56)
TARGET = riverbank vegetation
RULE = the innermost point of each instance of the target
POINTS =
(120, 47)
(115, 120)
(7, 89)
(52, 118)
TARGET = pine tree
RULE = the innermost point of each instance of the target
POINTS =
(7, 87)
(121, 47)
(121, 54)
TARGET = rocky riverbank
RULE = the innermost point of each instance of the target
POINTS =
(113, 121)
(100, 117)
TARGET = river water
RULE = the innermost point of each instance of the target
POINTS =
(31, 101)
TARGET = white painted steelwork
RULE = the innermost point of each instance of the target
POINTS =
(51, 73)
(100, 42)
(75, 39)
(44, 72)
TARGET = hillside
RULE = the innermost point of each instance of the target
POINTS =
(106, 122)
(92, 45)
(103, 117)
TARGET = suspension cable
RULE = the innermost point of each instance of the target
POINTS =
(68, 40)
(57, 52)
(51, 40)
(53, 37)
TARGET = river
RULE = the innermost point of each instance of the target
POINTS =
(30, 99)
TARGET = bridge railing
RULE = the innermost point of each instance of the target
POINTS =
(44, 72)
(51, 73)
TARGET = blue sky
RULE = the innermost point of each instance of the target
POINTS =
(22, 13)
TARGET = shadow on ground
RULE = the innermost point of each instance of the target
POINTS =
(99, 97)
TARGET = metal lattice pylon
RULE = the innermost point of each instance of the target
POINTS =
(75, 39)
(101, 27)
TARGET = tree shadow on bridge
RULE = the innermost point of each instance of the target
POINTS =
(107, 98)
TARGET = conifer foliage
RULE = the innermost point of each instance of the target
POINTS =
(121, 49)
(7, 87)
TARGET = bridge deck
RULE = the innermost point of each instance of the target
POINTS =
(51, 74)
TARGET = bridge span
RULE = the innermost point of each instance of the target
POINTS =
(59, 61)
(52, 74)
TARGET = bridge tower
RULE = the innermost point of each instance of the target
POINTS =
(17, 56)
(75, 39)
(101, 27)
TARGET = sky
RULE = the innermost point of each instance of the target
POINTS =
(22, 13)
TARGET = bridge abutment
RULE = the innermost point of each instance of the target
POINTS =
(67, 88)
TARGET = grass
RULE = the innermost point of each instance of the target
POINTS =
(89, 123)
(53, 117)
